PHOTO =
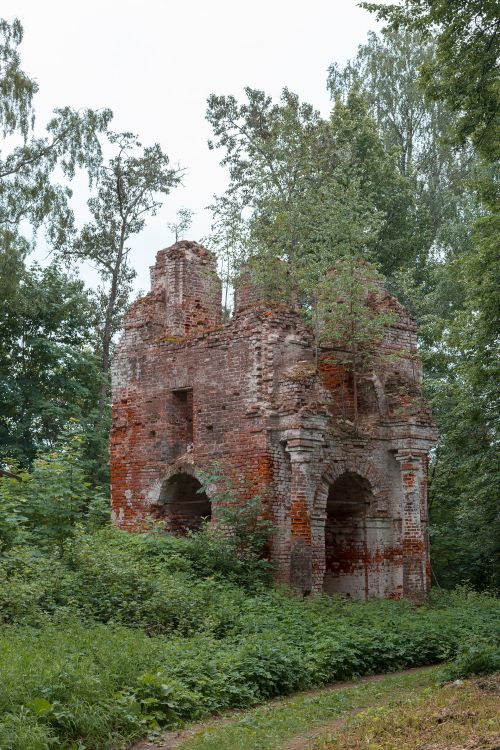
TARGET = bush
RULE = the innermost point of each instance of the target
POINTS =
(107, 635)
(122, 578)
(473, 659)
(51, 502)
(234, 549)
(32, 586)
(157, 700)
(98, 685)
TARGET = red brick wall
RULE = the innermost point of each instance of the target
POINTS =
(189, 393)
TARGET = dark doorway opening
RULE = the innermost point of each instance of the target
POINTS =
(184, 507)
(346, 547)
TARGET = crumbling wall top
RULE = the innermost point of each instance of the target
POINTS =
(187, 274)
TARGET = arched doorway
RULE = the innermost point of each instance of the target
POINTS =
(182, 504)
(346, 546)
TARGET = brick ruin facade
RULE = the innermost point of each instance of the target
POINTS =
(190, 391)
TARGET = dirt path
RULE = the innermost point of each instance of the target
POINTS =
(176, 738)
(302, 741)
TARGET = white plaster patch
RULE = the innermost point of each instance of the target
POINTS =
(153, 494)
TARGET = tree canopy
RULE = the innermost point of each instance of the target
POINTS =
(398, 184)
(464, 71)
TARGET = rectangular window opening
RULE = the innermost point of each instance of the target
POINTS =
(183, 415)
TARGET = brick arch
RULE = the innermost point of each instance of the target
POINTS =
(349, 464)
(184, 467)
(153, 494)
(354, 465)
(184, 504)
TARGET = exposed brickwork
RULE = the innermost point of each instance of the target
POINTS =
(351, 509)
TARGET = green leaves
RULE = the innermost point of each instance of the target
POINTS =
(444, 252)
(12, 512)
(235, 548)
(464, 69)
(49, 503)
(48, 369)
(162, 701)
(130, 187)
(27, 192)
(16, 88)
(40, 706)
(96, 686)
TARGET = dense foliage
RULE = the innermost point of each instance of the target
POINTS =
(456, 293)
(464, 70)
(400, 179)
(56, 338)
(128, 633)
(48, 369)
(123, 636)
(104, 635)
(389, 180)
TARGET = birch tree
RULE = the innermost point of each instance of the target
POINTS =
(131, 186)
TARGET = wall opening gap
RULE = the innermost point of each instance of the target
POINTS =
(182, 416)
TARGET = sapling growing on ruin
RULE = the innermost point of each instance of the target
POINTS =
(351, 320)
(182, 223)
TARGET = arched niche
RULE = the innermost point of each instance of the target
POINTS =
(182, 504)
(347, 553)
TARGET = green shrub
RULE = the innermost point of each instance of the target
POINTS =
(13, 519)
(117, 578)
(50, 502)
(107, 635)
(32, 586)
(269, 665)
(473, 659)
(159, 700)
(236, 548)
(99, 685)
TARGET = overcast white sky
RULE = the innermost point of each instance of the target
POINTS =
(155, 62)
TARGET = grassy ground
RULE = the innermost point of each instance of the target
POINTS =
(464, 715)
(272, 725)
(397, 712)
(123, 635)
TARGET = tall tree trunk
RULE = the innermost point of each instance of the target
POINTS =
(316, 330)
(107, 334)
(355, 388)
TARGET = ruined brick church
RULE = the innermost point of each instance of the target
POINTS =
(190, 391)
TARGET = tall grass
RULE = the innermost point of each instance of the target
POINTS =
(121, 635)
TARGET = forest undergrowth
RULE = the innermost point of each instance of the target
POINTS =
(113, 636)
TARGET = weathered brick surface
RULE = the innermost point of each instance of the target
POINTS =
(189, 392)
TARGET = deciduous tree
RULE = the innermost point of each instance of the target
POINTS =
(296, 182)
(48, 369)
(351, 319)
(28, 196)
(130, 187)
(182, 223)
(463, 72)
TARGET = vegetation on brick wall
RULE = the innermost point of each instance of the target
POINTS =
(402, 175)
(106, 636)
